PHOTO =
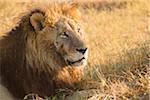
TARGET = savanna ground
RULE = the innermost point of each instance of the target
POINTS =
(118, 37)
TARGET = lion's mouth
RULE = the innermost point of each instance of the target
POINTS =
(74, 62)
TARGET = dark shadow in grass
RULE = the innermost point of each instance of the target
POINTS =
(135, 57)
(133, 62)
(104, 5)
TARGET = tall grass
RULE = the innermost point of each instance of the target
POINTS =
(119, 49)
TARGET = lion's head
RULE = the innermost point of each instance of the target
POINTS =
(64, 32)
(69, 42)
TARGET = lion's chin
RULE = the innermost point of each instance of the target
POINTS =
(80, 62)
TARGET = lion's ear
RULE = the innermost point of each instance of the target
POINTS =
(37, 21)
(72, 10)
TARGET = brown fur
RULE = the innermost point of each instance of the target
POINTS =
(23, 67)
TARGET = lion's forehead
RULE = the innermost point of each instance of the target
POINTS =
(66, 23)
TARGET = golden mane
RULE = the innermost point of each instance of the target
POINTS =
(53, 11)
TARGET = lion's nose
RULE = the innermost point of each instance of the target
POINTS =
(83, 50)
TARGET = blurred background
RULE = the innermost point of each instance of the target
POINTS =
(119, 40)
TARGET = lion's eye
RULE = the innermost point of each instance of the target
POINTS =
(64, 35)
(79, 30)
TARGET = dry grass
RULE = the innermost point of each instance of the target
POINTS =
(119, 48)
(118, 37)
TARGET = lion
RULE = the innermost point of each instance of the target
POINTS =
(47, 51)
